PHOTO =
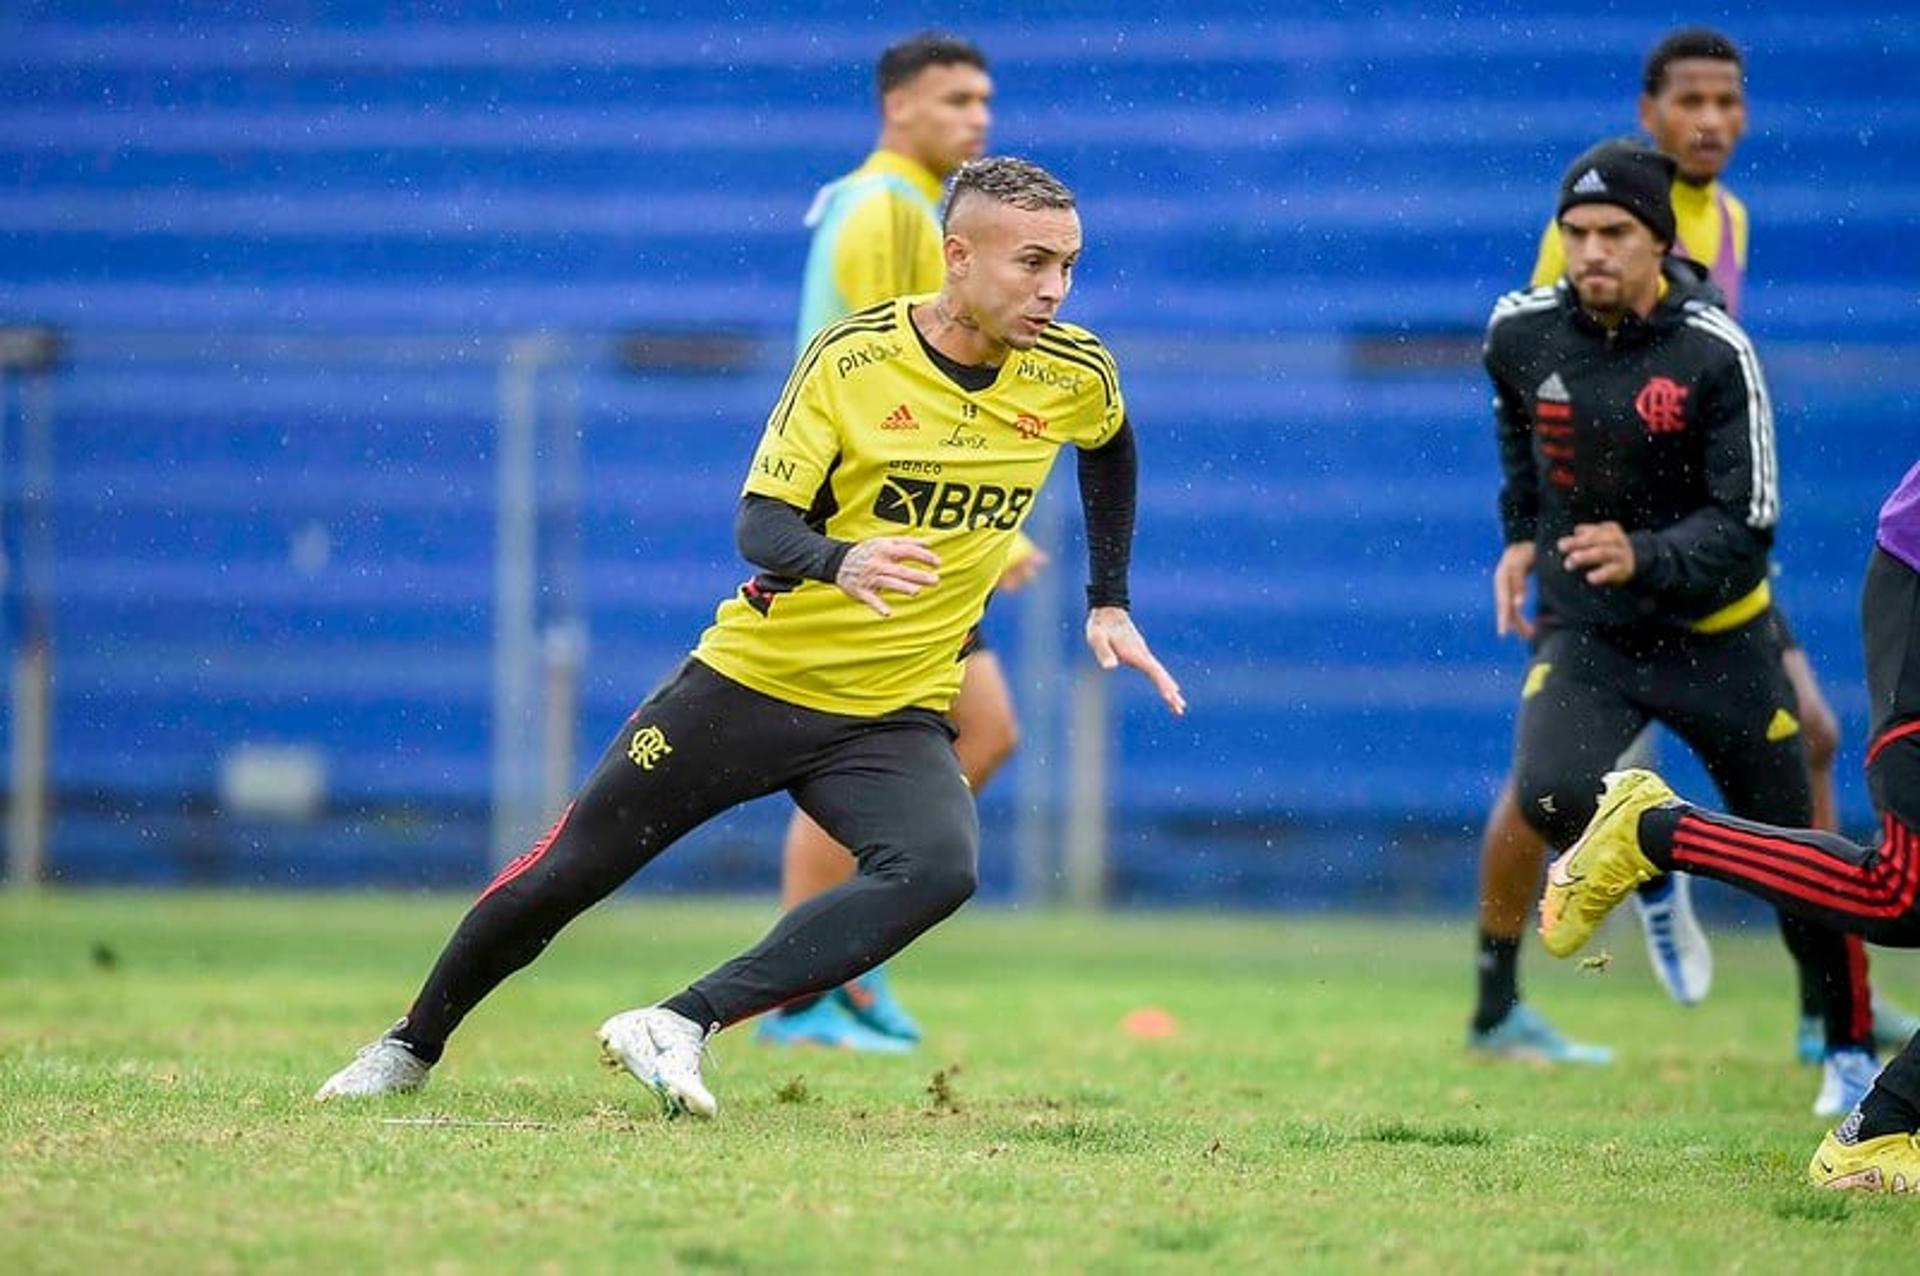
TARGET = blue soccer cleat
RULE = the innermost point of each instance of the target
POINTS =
(1845, 1079)
(1810, 1040)
(825, 1025)
(870, 1000)
(1526, 1036)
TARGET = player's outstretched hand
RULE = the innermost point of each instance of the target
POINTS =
(886, 563)
(1116, 642)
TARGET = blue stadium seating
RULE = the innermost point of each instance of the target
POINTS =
(256, 543)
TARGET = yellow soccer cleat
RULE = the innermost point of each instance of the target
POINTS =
(1890, 1163)
(1603, 866)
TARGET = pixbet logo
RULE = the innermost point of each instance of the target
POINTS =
(865, 356)
(1032, 369)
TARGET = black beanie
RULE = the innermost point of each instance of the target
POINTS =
(1628, 174)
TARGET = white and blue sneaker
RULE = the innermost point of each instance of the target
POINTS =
(870, 999)
(1845, 1078)
(1677, 948)
(1525, 1035)
(662, 1051)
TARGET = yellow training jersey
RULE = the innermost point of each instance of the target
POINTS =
(876, 234)
(1710, 225)
(870, 438)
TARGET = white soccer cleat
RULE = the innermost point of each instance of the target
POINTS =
(1677, 948)
(380, 1067)
(662, 1051)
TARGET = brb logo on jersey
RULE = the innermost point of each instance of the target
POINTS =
(941, 507)
(1662, 405)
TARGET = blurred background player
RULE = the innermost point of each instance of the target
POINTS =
(1642, 829)
(1641, 492)
(1693, 107)
(876, 235)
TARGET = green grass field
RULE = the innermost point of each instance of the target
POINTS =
(1315, 1111)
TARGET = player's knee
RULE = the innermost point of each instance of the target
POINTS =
(1006, 741)
(986, 750)
(943, 874)
(950, 876)
(1507, 835)
(947, 888)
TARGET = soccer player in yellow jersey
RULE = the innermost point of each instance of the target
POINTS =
(897, 466)
(876, 235)
(1693, 106)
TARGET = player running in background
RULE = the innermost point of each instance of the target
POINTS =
(1642, 830)
(876, 235)
(1641, 491)
(1693, 107)
(897, 466)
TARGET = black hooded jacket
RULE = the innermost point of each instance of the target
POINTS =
(1662, 425)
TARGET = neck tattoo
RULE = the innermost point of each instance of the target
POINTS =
(944, 313)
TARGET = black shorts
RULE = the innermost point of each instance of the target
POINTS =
(1588, 693)
(725, 743)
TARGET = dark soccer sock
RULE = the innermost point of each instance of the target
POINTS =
(427, 1052)
(1499, 977)
(1893, 1105)
(1657, 828)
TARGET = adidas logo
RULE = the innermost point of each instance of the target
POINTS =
(1590, 183)
(901, 418)
(1553, 390)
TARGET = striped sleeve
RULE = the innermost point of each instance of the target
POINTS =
(1744, 470)
(1525, 301)
(1513, 428)
(801, 442)
(1106, 410)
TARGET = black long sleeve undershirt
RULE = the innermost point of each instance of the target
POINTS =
(1109, 477)
(775, 537)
